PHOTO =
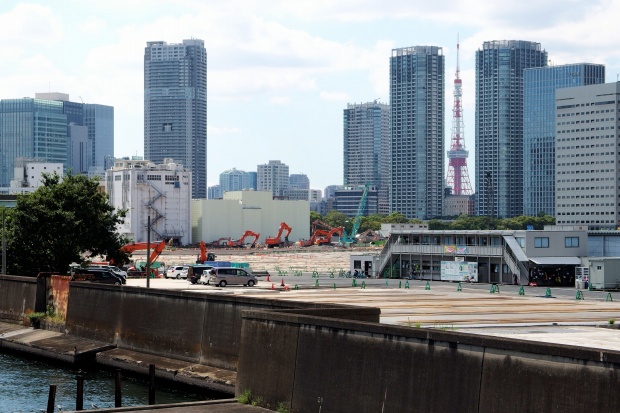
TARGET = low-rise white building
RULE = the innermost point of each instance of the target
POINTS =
(28, 174)
(145, 189)
(256, 211)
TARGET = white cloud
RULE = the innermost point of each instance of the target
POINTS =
(222, 130)
(280, 100)
(337, 96)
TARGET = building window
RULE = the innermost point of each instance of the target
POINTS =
(571, 242)
(541, 242)
(520, 241)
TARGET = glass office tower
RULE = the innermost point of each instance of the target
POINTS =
(175, 107)
(100, 122)
(539, 122)
(417, 131)
(367, 148)
(31, 128)
(499, 124)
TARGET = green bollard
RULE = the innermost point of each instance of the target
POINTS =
(579, 295)
(548, 293)
(354, 283)
(428, 285)
(590, 287)
(406, 285)
(363, 285)
(386, 283)
(400, 284)
(459, 287)
(316, 284)
(334, 286)
(331, 274)
(521, 291)
(609, 297)
(296, 287)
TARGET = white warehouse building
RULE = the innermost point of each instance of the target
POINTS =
(256, 211)
(145, 189)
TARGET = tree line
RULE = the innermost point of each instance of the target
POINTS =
(462, 222)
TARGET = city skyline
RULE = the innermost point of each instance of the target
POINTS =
(279, 74)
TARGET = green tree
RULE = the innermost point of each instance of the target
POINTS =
(338, 219)
(395, 218)
(64, 221)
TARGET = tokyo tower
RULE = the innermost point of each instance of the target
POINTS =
(458, 177)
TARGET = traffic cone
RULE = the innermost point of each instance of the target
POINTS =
(282, 283)
(267, 277)
(272, 288)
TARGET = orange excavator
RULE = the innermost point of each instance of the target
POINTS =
(156, 247)
(204, 255)
(317, 233)
(239, 243)
(277, 240)
(327, 239)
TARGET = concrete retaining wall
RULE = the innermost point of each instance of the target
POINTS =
(365, 367)
(18, 296)
(198, 327)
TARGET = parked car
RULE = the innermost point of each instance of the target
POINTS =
(195, 273)
(176, 271)
(98, 275)
(115, 270)
(224, 276)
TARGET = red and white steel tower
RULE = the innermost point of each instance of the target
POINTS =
(458, 177)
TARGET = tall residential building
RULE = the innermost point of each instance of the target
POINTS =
(299, 181)
(273, 177)
(214, 192)
(235, 180)
(175, 107)
(499, 124)
(417, 125)
(367, 148)
(539, 88)
(31, 128)
(587, 172)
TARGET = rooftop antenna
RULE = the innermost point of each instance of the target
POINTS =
(81, 99)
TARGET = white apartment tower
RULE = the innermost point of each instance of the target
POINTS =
(587, 177)
(145, 189)
(273, 177)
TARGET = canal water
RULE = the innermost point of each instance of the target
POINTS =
(25, 383)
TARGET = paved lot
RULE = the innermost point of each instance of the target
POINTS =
(559, 318)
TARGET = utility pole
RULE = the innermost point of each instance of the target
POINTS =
(148, 252)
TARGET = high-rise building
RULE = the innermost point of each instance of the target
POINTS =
(587, 172)
(31, 128)
(214, 192)
(299, 181)
(97, 154)
(539, 122)
(367, 148)
(417, 128)
(499, 124)
(273, 177)
(235, 180)
(175, 107)
(100, 122)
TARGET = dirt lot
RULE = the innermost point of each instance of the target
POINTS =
(321, 259)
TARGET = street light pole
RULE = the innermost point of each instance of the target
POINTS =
(148, 252)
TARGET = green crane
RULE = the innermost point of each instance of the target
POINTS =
(348, 238)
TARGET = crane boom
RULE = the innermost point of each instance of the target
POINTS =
(350, 237)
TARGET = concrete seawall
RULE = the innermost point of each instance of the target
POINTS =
(197, 327)
(348, 366)
(18, 297)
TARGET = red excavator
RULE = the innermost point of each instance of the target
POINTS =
(277, 240)
(156, 247)
(239, 243)
(318, 233)
(204, 255)
(327, 239)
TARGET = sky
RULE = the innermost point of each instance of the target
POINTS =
(280, 73)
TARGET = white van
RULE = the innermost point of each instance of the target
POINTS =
(224, 276)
